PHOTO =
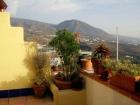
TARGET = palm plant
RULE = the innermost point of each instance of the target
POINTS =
(101, 51)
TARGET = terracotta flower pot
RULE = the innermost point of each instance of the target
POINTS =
(86, 64)
(97, 65)
(61, 84)
(39, 90)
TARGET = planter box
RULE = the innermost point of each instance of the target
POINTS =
(61, 84)
(125, 82)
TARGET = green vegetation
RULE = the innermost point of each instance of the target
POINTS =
(68, 50)
(123, 66)
(128, 68)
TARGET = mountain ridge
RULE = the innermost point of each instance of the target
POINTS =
(32, 27)
(84, 29)
(42, 32)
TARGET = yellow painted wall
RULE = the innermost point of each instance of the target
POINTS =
(13, 73)
(99, 94)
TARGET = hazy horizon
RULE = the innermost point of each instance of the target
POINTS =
(104, 14)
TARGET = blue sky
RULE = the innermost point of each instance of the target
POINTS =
(104, 14)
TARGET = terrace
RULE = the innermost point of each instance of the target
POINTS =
(95, 91)
(16, 80)
(25, 100)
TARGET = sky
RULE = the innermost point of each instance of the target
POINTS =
(104, 14)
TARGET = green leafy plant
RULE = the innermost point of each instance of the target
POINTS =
(68, 50)
(111, 63)
(122, 66)
(126, 75)
(128, 68)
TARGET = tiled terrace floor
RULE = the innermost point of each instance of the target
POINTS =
(27, 100)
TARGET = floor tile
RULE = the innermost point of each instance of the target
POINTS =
(18, 101)
(27, 100)
(3, 101)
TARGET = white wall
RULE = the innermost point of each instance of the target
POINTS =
(99, 94)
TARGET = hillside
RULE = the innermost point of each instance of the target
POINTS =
(41, 31)
(124, 50)
(93, 32)
(33, 29)
(84, 29)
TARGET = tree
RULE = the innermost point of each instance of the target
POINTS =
(68, 49)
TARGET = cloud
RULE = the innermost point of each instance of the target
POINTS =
(97, 12)
(55, 6)
(62, 6)
(110, 2)
(42, 6)
(12, 6)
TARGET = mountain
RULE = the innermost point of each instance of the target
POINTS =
(34, 28)
(84, 29)
(87, 30)
(129, 40)
(40, 29)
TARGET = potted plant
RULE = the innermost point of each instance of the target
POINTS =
(101, 52)
(126, 76)
(109, 65)
(38, 62)
(68, 50)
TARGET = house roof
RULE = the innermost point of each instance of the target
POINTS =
(3, 5)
